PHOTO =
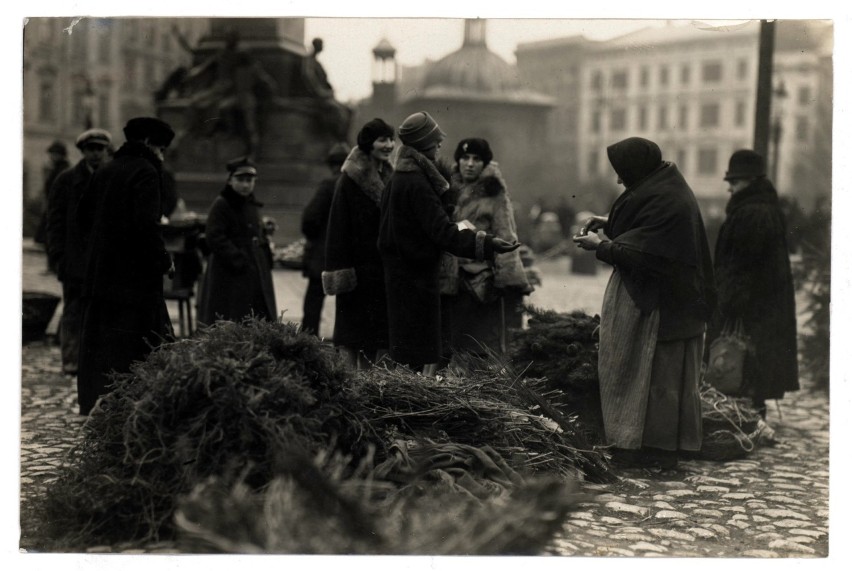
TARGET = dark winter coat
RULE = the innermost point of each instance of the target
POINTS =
(314, 226)
(755, 284)
(414, 230)
(51, 172)
(238, 278)
(125, 313)
(354, 271)
(65, 246)
(659, 245)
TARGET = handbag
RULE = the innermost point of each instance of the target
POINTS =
(727, 358)
(481, 285)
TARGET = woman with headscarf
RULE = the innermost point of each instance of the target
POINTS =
(238, 279)
(479, 294)
(655, 309)
(353, 266)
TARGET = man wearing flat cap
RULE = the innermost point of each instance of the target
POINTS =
(125, 313)
(65, 248)
(754, 280)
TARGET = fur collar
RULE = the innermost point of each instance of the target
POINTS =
(359, 167)
(411, 160)
(761, 191)
(489, 184)
(137, 149)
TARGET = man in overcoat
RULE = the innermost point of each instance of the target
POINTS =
(126, 259)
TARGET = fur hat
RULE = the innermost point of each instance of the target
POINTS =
(745, 163)
(157, 131)
(474, 146)
(241, 165)
(372, 130)
(58, 147)
(96, 136)
(338, 153)
(420, 131)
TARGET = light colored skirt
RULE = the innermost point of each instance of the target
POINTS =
(649, 389)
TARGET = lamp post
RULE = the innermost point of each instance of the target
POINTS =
(779, 93)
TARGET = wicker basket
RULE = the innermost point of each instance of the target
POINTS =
(36, 312)
(724, 445)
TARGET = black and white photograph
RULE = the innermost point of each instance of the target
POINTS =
(469, 281)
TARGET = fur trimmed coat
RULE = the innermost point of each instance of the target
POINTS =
(238, 278)
(415, 229)
(353, 266)
(755, 283)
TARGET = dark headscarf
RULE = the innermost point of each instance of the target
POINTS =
(634, 158)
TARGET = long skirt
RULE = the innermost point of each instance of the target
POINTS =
(649, 389)
(414, 312)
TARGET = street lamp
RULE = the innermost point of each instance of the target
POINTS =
(779, 93)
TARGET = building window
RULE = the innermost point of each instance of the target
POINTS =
(130, 73)
(684, 74)
(663, 118)
(707, 161)
(103, 109)
(596, 122)
(711, 72)
(740, 114)
(742, 69)
(597, 81)
(619, 79)
(803, 130)
(47, 100)
(643, 76)
(683, 118)
(805, 95)
(643, 118)
(664, 75)
(618, 119)
(593, 163)
(709, 115)
(680, 161)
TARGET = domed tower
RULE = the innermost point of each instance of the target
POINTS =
(473, 92)
(384, 75)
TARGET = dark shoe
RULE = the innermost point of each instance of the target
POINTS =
(659, 458)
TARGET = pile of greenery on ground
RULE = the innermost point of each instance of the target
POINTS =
(248, 414)
(563, 349)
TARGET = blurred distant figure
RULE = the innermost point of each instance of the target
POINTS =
(566, 213)
(57, 162)
(65, 244)
(314, 225)
(125, 313)
(238, 280)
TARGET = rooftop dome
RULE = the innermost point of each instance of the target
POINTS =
(473, 67)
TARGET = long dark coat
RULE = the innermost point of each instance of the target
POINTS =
(354, 271)
(65, 246)
(238, 279)
(125, 313)
(314, 226)
(414, 230)
(755, 284)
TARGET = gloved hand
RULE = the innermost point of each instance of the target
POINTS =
(501, 246)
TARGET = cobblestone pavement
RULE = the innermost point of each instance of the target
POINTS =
(773, 503)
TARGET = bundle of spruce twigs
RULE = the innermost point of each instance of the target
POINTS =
(244, 404)
(563, 348)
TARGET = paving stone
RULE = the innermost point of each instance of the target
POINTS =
(738, 496)
(759, 519)
(792, 523)
(629, 536)
(627, 508)
(808, 532)
(785, 514)
(670, 514)
(645, 546)
(784, 500)
(682, 493)
(609, 520)
(761, 553)
(604, 550)
(790, 546)
(738, 523)
(701, 532)
(801, 539)
(737, 509)
(670, 534)
(663, 506)
(708, 513)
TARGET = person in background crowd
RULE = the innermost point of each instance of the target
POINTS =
(754, 280)
(125, 313)
(238, 279)
(314, 225)
(57, 155)
(65, 247)
(413, 232)
(353, 269)
(480, 294)
(655, 308)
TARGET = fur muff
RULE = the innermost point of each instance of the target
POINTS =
(339, 281)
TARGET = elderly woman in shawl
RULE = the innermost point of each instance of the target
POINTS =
(655, 308)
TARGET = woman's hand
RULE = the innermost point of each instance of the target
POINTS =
(588, 241)
(593, 224)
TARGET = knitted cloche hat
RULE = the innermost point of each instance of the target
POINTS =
(420, 131)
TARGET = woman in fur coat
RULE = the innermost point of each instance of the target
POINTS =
(754, 280)
(353, 267)
(480, 294)
(238, 279)
(415, 229)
